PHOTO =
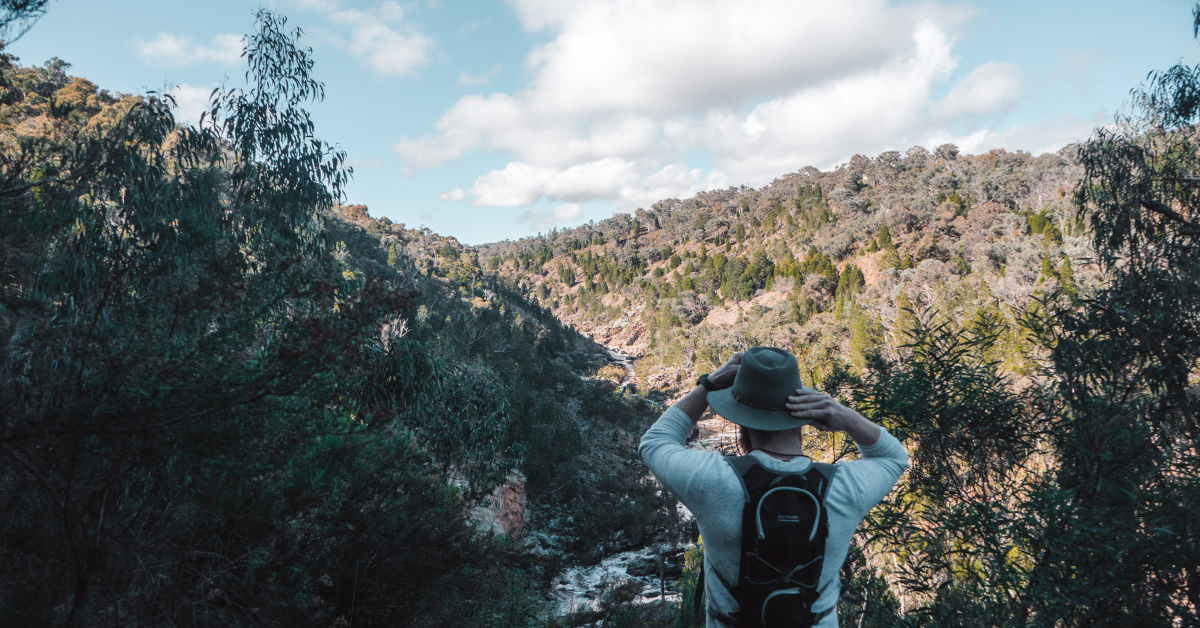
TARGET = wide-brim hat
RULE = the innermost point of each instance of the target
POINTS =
(760, 389)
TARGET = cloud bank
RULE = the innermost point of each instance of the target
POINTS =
(622, 91)
(381, 38)
(167, 50)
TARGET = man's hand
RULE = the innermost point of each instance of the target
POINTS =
(827, 415)
(696, 402)
(723, 377)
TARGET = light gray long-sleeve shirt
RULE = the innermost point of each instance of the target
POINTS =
(711, 490)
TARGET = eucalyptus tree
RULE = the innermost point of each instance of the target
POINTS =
(199, 412)
(1122, 542)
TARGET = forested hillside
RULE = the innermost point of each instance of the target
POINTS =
(230, 397)
(826, 264)
(1025, 325)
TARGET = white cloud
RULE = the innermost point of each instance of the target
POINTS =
(520, 184)
(1041, 136)
(190, 102)
(456, 194)
(989, 88)
(173, 51)
(674, 56)
(381, 38)
(866, 112)
(627, 183)
(546, 218)
(622, 90)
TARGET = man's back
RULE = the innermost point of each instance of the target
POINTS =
(711, 490)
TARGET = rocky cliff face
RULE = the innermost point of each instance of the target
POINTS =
(505, 510)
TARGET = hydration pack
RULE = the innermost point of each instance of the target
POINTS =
(784, 526)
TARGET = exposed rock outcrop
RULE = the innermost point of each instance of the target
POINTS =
(505, 511)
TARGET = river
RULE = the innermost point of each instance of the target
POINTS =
(579, 588)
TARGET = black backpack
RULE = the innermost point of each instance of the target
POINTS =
(784, 526)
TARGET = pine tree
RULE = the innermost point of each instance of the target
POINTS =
(866, 335)
(1047, 270)
(906, 319)
(885, 238)
(1066, 277)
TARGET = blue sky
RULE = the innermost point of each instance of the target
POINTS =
(489, 120)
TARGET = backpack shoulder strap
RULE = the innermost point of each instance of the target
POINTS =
(744, 468)
(820, 476)
(754, 477)
(741, 466)
(826, 469)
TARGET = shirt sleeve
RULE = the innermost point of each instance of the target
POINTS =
(690, 474)
(873, 476)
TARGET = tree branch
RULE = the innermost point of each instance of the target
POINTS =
(1191, 228)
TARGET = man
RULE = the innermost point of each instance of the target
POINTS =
(760, 390)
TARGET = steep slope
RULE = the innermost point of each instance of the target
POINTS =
(499, 355)
(227, 400)
(822, 263)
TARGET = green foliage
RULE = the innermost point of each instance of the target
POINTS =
(760, 270)
(850, 281)
(818, 263)
(1037, 223)
(732, 284)
(566, 274)
(866, 336)
(1068, 502)
(802, 309)
(200, 426)
(959, 205)
(739, 279)
(906, 319)
(812, 208)
(960, 523)
(885, 238)
(1047, 270)
(1066, 278)
(1123, 361)
(221, 406)
(959, 266)
(1053, 234)
(693, 562)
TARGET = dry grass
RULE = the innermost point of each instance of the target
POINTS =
(612, 371)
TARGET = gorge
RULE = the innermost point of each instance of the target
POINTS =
(230, 397)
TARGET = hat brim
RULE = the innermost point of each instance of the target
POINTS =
(723, 403)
